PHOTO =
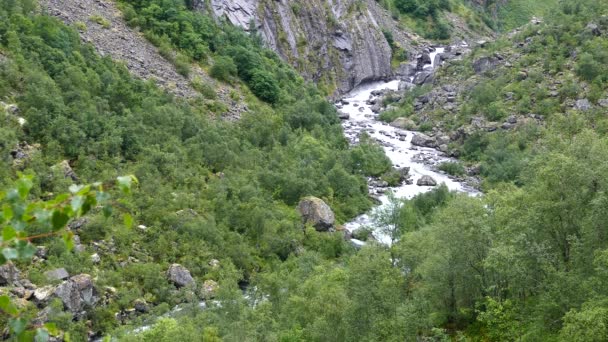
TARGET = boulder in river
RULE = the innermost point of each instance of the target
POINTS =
(426, 181)
(343, 115)
(316, 212)
(179, 275)
(404, 123)
(423, 140)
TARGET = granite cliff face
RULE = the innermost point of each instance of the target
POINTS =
(337, 43)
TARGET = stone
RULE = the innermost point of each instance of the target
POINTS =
(57, 274)
(404, 123)
(423, 77)
(66, 169)
(423, 140)
(426, 181)
(23, 153)
(406, 86)
(316, 212)
(141, 306)
(95, 258)
(343, 115)
(593, 29)
(583, 105)
(214, 263)
(485, 64)
(42, 252)
(9, 274)
(12, 109)
(603, 103)
(179, 275)
(209, 289)
(77, 293)
(43, 294)
(406, 70)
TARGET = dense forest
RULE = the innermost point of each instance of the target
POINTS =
(526, 261)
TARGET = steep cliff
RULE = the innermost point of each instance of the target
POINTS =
(337, 43)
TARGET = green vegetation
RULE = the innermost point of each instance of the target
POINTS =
(527, 261)
(452, 168)
(210, 189)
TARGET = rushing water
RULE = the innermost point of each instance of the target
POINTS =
(398, 147)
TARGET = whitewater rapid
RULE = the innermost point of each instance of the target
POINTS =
(397, 144)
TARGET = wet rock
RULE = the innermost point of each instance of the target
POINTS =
(9, 274)
(57, 274)
(423, 140)
(426, 181)
(485, 64)
(77, 293)
(343, 115)
(316, 212)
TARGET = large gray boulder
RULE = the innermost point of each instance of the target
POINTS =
(77, 293)
(179, 275)
(423, 140)
(404, 123)
(583, 105)
(485, 64)
(426, 181)
(316, 212)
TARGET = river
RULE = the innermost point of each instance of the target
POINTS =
(397, 146)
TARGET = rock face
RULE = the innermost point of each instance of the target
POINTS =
(342, 39)
(179, 275)
(77, 293)
(125, 44)
(9, 274)
(426, 181)
(316, 212)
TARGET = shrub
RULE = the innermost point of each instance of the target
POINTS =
(264, 86)
(100, 20)
(223, 69)
(182, 65)
(452, 168)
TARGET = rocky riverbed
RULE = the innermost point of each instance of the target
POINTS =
(408, 150)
